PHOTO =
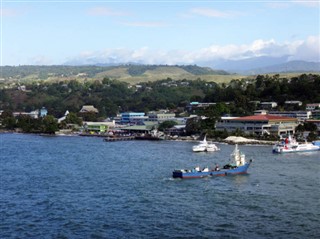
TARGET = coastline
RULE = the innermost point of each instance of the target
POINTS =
(229, 140)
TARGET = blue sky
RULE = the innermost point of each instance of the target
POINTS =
(157, 32)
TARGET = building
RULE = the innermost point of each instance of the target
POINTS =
(258, 124)
(300, 115)
(316, 114)
(133, 117)
(293, 102)
(160, 117)
(260, 112)
(268, 105)
(144, 128)
(89, 109)
(313, 106)
(196, 105)
(43, 112)
(98, 127)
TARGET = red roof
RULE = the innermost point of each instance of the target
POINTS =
(263, 118)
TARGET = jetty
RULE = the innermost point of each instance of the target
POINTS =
(118, 138)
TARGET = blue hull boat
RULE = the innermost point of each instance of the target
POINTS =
(238, 165)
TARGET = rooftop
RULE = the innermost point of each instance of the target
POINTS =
(263, 118)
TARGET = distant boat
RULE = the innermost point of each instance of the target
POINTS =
(290, 145)
(204, 146)
(237, 165)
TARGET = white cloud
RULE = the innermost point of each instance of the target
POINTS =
(103, 11)
(210, 12)
(308, 3)
(307, 50)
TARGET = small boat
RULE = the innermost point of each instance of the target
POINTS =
(237, 165)
(205, 146)
(290, 145)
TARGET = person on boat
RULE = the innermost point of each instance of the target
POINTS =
(206, 169)
(217, 168)
(286, 141)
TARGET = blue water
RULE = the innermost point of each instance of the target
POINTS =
(80, 187)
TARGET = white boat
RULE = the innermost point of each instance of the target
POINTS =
(205, 146)
(290, 145)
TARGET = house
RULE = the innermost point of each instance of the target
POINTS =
(260, 112)
(313, 106)
(258, 124)
(43, 112)
(293, 102)
(89, 109)
(268, 105)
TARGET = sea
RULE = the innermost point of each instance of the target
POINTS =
(84, 187)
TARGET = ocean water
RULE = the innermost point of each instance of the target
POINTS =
(83, 187)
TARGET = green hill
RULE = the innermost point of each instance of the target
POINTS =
(132, 74)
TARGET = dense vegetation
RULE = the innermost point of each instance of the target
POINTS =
(111, 96)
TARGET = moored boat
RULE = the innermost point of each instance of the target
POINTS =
(290, 145)
(237, 165)
(205, 146)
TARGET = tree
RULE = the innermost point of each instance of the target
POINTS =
(72, 118)
(166, 125)
(49, 124)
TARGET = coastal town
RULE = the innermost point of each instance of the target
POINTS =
(264, 124)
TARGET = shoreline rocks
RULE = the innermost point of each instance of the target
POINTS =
(242, 140)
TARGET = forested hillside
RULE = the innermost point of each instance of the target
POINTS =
(113, 96)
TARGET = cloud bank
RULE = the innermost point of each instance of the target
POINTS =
(306, 50)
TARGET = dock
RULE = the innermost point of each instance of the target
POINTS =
(118, 138)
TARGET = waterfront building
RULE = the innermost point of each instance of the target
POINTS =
(132, 117)
(258, 124)
(98, 127)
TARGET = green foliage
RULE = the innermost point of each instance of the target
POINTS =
(307, 126)
(72, 118)
(111, 96)
(137, 70)
(196, 70)
(312, 136)
(166, 125)
(49, 125)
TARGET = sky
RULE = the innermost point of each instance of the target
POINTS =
(156, 32)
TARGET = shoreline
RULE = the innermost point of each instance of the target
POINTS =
(229, 140)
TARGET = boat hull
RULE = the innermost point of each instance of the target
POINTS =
(299, 148)
(200, 174)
